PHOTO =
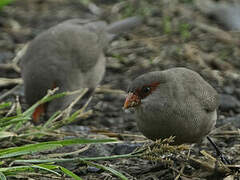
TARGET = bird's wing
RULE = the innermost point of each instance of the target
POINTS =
(201, 91)
(205, 94)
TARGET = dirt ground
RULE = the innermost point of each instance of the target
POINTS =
(174, 34)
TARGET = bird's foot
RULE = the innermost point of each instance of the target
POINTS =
(223, 158)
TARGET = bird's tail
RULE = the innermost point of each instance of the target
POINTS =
(124, 25)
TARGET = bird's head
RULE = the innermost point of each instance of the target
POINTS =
(142, 87)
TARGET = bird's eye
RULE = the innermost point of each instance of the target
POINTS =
(146, 90)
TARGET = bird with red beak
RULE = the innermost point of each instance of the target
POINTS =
(175, 102)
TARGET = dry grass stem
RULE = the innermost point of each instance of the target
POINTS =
(162, 151)
(11, 110)
(210, 166)
(66, 115)
(81, 92)
(20, 53)
(84, 148)
(112, 134)
(10, 66)
(180, 173)
(208, 156)
(102, 90)
(9, 92)
(10, 81)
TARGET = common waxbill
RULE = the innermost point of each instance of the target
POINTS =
(175, 102)
(70, 56)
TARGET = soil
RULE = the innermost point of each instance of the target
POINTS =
(171, 36)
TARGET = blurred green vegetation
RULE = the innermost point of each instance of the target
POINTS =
(5, 2)
(16, 130)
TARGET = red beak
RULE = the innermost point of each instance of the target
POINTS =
(132, 100)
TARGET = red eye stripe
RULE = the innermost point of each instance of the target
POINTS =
(142, 93)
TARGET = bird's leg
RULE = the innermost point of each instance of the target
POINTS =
(223, 158)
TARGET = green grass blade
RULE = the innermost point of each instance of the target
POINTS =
(2, 176)
(18, 151)
(3, 119)
(70, 173)
(48, 168)
(5, 104)
(105, 168)
(32, 148)
(50, 120)
(6, 134)
(14, 120)
(17, 169)
(5, 2)
(60, 160)
(45, 99)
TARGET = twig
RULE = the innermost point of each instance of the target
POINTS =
(20, 53)
(13, 107)
(210, 167)
(70, 153)
(10, 66)
(13, 65)
(180, 172)
(69, 108)
(224, 133)
(67, 118)
(9, 92)
(208, 156)
(7, 81)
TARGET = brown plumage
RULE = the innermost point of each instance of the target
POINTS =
(175, 102)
